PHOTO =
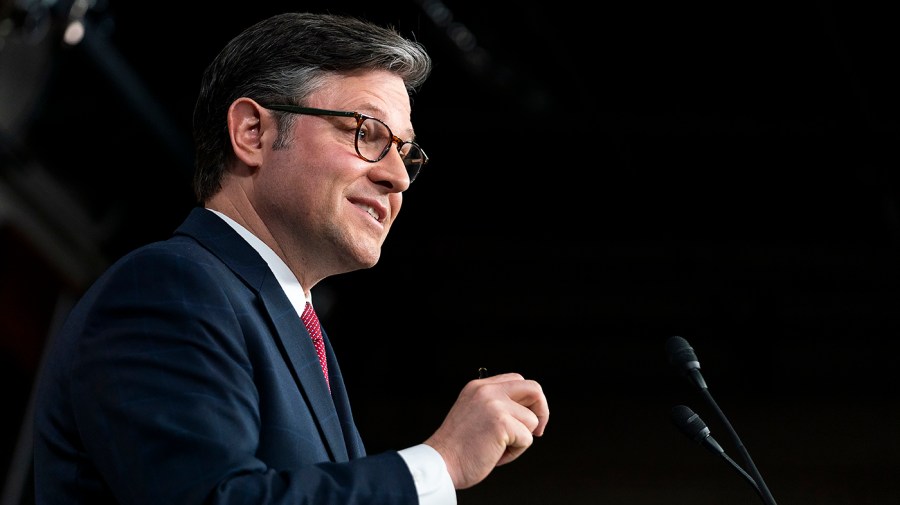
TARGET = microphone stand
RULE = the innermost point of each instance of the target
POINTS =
(762, 488)
(695, 429)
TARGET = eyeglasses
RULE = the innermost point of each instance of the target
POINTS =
(373, 138)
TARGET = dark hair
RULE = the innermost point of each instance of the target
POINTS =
(283, 59)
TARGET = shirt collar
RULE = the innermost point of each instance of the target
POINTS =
(283, 274)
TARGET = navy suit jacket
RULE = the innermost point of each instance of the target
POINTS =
(184, 375)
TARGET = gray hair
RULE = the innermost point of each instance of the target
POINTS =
(283, 59)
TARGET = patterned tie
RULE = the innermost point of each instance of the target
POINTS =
(315, 331)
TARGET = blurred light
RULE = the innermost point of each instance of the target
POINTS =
(74, 32)
(462, 37)
(438, 12)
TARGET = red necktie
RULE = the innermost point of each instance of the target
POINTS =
(315, 332)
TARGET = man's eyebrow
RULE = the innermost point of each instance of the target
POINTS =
(379, 113)
(371, 110)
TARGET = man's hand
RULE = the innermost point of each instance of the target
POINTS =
(492, 423)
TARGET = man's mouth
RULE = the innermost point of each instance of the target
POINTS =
(370, 210)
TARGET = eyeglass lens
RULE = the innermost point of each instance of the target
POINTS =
(375, 138)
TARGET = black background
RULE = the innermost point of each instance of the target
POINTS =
(602, 178)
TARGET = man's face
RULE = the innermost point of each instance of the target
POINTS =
(326, 207)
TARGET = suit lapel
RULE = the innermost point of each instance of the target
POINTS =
(304, 362)
(290, 334)
(352, 439)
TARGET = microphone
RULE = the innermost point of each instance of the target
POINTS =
(695, 429)
(683, 358)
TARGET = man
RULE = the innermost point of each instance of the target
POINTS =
(187, 374)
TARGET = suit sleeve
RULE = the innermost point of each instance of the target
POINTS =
(167, 407)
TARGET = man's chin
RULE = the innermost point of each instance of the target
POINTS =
(362, 258)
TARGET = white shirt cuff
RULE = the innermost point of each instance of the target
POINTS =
(429, 472)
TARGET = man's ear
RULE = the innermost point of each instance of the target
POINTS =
(247, 122)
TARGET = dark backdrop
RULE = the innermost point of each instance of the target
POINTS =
(602, 178)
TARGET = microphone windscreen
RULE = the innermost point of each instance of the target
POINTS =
(681, 354)
(689, 423)
(687, 420)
